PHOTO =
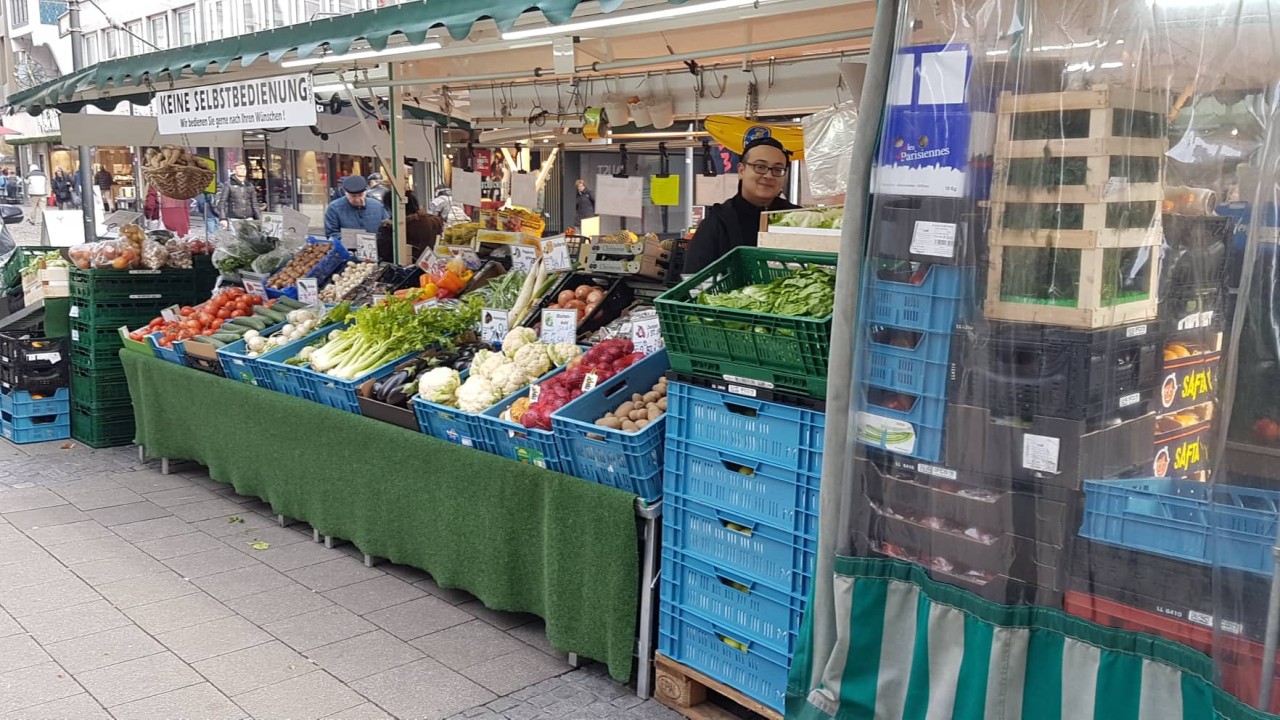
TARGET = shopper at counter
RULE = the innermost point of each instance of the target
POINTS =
(736, 222)
(354, 210)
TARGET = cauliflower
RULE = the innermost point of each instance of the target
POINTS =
(440, 385)
(486, 362)
(508, 379)
(477, 395)
(561, 353)
(517, 338)
(532, 360)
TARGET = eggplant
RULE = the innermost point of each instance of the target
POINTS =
(400, 395)
(392, 384)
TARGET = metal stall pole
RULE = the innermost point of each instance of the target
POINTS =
(86, 169)
(649, 570)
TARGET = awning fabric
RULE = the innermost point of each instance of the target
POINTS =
(411, 20)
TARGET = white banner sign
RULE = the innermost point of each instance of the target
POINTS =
(265, 103)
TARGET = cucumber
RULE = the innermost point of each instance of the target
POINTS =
(249, 321)
(226, 337)
(290, 303)
(269, 314)
(208, 340)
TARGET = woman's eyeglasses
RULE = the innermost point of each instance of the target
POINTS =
(762, 168)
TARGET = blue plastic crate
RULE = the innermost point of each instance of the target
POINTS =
(1219, 525)
(34, 422)
(23, 403)
(290, 379)
(935, 304)
(747, 666)
(238, 366)
(517, 442)
(172, 354)
(785, 499)
(341, 394)
(451, 424)
(335, 259)
(740, 604)
(750, 548)
(783, 435)
(630, 461)
(875, 427)
(925, 345)
(59, 429)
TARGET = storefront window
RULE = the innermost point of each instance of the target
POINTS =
(111, 40)
(90, 49)
(186, 26)
(313, 184)
(309, 9)
(250, 16)
(216, 24)
(135, 39)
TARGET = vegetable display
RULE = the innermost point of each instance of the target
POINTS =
(603, 361)
(299, 324)
(502, 292)
(495, 375)
(826, 218)
(642, 409)
(807, 292)
(224, 318)
(434, 368)
(40, 262)
(344, 283)
(583, 298)
(300, 265)
(461, 234)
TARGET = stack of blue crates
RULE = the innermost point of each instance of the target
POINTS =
(740, 535)
(35, 397)
(28, 416)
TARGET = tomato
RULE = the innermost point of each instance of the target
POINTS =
(156, 323)
(217, 323)
(186, 310)
(136, 336)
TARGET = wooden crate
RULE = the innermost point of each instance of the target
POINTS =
(1089, 312)
(1094, 232)
(685, 690)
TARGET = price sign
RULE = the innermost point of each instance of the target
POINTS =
(555, 254)
(428, 261)
(428, 303)
(493, 325)
(367, 247)
(646, 334)
(75, 335)
(559, 326)
(534, 391)
(308, 291)
(170, 314)
(379, 298)
(273, 225)
(589, 382)
(523, 257)
(467, 256)
(256, 287)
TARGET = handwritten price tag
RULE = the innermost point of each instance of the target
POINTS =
(255, 284)
(555, 254)
(646, 334)
(493, 325)
(559, 326)
(308, 291)
(367, 247)
(523, 257)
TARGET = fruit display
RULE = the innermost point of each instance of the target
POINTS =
(639, 411)
(601, 362)
(301, 264)
(169, 156)
(224, 318)
(461, 234)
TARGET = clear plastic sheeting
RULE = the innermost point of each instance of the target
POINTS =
(1066, 371)
(828, 149)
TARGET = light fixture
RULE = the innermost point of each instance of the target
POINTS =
(613, 21)
(361, 55)
(331, 88)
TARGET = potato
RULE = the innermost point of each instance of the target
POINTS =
(651, 397)
(637, 397)
(610, 422)
(641, 423)
(635, 414)
(662, 404)
(630, 426)
(623, 409)
(654, 413)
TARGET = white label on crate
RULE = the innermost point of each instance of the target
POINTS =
(428, 303)
(559, 326)
(889, 433)
(535, 390)
(144, 272)
(1131, 399)
(934, 470)
(589, 382)
(148, 296)
(743, 391)
(170, 314)
(75, 335)
(1040, 453)
(493, 325)
(934, 238)
(1200, 618)
(52, 357)
(1233, 628)
(1136, 331)
(523, 257)
(748, 381)
(1196, 320)
(74, 311)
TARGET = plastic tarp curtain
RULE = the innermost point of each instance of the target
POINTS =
(1057, 315)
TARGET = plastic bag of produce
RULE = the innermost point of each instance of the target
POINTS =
(116, 255)
(154, 256)
(828, 150)
(250, 232)
(269, 262)
(231, 255)
(179, 253)
(82, 255)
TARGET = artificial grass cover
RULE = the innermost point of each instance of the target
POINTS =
(519, 538)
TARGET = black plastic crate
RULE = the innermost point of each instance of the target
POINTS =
(1195, 253)
(18, 378)
(1023, 371)
(617, 296)
(32, 351)
(896, 231)
(213, 367)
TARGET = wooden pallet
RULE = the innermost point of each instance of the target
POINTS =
(1094, 234)
(1099, 185)
(1101, 103)
(685, 690)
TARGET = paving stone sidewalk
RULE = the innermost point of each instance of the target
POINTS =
(133, 595)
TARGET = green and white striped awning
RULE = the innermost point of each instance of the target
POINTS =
(410, 20)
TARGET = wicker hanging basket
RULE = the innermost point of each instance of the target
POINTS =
(180, 182)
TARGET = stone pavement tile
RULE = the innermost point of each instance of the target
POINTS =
(318, 627)
(136, 679)
(9, 626)
(453, 596)
(111, 570)
(255, 667)
(45, 517)
(97, 499)
(13, 501)
(468, 644)
(35, 685)
(422, 689)
(292, 557)
(314, 695)
(48, 596)
(376, 594)
(19, 550)
(216, 637)
(89, 550)
(338, 572)
(179, 612)
(522, 668)
(126, 514)
(223, 526)
(210, 562)
(197, 511)
(227, 492)
(246, 581)
(152, 529)
(412, 620)
(201, 701)
(186, 494)
(179, 545)
(20, 651)
(149, 481)
(274, 535)
(108, 647)
(146, 590)
(497, 618)
(404, 572)
(72, 622)
(32, 572)
(82, 487)
(535, 634)
(74, 532)
(75, 707)
(284, 602)
(365, 711)
(364, 655)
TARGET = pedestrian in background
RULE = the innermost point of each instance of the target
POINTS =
(584, 202)
(62, 189)
(38, 191)
(104, 180)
